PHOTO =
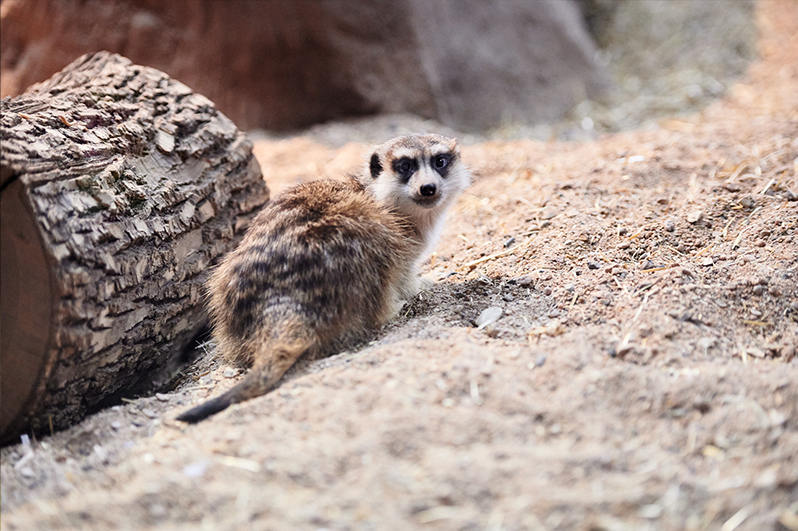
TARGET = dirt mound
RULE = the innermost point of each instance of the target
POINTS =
(634, 364)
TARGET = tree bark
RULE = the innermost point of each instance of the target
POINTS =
(120, 188)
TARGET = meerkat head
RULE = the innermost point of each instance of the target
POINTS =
(418, 175)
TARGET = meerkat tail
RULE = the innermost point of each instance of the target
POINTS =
(269, 367)
(209, 407)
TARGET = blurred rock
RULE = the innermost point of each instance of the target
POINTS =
(503, 61)
(471, 64)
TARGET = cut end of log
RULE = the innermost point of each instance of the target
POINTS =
(27, 303)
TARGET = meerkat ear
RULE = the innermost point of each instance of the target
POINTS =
(374, 166)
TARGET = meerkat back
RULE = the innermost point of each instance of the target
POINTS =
(328, 262)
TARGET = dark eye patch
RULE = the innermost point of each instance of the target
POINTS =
(440, 163)
(405, 167)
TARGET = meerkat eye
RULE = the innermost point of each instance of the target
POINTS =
(405, 167)
(440, 161)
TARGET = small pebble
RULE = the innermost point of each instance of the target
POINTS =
(162, 397)
(794, 305)
(547, 291)
(150, 413)
(756, 313)
(777, 418)
(195, 470)
(694, 216)
(570, 287)
(540, 360)
(670, 226)
(650, 512)
(768, 479)
(508, 297)
(489, 316)
(593, 265)
(102, 454)
(116, 425)
(27, 471)
(230, 372)
(623, 245)
(758, 290)
(707, 261)
(525, 280)
(748, 202)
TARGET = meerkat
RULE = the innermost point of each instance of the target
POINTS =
(327, 263)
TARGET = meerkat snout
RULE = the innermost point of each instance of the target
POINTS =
(428, 190)
(425, 189)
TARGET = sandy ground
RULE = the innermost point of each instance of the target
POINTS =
(642, 372)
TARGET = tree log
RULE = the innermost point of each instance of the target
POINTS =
(120, 187)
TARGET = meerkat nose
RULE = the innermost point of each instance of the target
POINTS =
(428, 190)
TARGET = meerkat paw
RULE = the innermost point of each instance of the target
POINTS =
(418, 285)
